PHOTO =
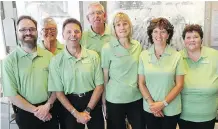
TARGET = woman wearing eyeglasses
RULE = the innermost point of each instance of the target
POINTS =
(120, 63)
(161, 76)
(49, 35)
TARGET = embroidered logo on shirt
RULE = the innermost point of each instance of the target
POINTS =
(45, 69)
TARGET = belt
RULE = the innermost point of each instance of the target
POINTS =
(81, 94)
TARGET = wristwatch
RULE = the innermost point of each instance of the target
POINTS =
(88, 109)
(72, 112)
(165, 103)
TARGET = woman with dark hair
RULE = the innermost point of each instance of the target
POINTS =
(199, 105)
(161, 75)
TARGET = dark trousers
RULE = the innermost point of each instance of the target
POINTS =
(59, 113)
(166, 122)
(27, 120)
(183, 124)
(118, 112)
(80, 103)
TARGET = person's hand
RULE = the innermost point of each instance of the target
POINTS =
(42, 112)
(47, 118)
(156, 106)
(82, 117)
(158, 114)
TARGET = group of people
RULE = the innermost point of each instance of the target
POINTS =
(104, 73)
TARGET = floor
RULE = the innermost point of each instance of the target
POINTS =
(5, 116)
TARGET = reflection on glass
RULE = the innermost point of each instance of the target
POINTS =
(59, 10)
(141, 12)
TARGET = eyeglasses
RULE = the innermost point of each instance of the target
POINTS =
(100, 12)
(24, 30)
(47, 29)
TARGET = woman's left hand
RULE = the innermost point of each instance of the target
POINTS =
(156, 106)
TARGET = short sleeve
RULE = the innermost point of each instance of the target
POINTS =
(10, 86)
(180, 67)
(54, 78)
(141, 66)
(99, 79)
(105, 56)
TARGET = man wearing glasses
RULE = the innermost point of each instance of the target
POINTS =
(98, 33)
(49, 42)
(49, 36)
(25, 77)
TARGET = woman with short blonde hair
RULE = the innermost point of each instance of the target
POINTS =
(120, 63)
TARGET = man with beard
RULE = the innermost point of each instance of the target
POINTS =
(25, 74)
(98, 33)
(49, 36)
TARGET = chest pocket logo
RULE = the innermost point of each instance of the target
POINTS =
(86, 65)
(45, 69)
(86, 61)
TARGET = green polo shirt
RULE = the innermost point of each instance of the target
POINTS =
(93, 41)
(200, 86)
(160, 76)
(122, 65)
(59, 48)
(72, 75)
(27, 75)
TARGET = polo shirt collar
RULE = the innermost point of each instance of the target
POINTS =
(59, 47)
(167, 50)
(22, 53)
(91, 33)
(116, 44)
(203, 53)
(69, 56)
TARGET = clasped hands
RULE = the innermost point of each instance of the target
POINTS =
(42, 112)
(156, 108)
(82, 117)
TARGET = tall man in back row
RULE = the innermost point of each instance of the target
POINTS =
(25, 79)
(98, 33)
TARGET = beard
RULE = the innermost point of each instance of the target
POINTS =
(29, 43)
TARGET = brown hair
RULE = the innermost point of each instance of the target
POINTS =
(162, 23)
(73, 21)
(26, 17)
(191, 28)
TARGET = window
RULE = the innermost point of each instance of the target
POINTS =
(141, 12)
(59, 10)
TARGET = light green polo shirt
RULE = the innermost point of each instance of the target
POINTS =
(93, 41)
(122, 64)
(160, 76)
(72, 75)
(59, 48)
(27, 75)
(200, 86)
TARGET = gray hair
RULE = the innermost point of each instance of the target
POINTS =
(48, 20)
(96, 4)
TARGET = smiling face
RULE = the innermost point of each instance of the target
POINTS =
(96, 15)
(192, 41)
(122, 29)
(27, 32)
(160, 36)
(49, 31)
(72, 35)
